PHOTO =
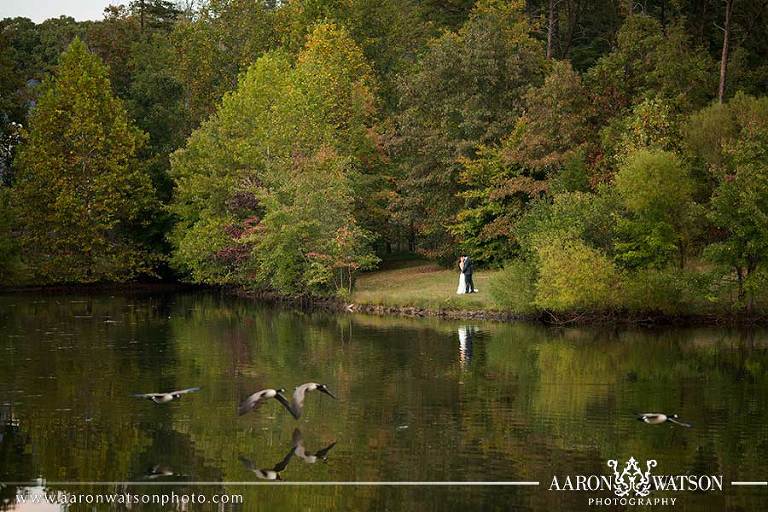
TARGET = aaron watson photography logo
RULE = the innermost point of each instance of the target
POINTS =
(634, 484)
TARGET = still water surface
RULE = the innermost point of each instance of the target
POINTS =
(419, 400)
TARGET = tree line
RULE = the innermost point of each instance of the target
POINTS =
(607, 154)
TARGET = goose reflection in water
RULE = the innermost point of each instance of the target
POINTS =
(466, 336)
(9, 422)
(309, 457)
(272, 473)
(297, 449)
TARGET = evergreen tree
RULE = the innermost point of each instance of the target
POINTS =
(80, 195)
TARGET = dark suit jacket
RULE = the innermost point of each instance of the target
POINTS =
(467, 267)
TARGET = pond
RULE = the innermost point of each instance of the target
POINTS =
(419, 400)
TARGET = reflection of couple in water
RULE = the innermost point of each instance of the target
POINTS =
(466, 334)
(465, 276)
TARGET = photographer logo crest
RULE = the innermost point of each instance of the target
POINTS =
(633, 483)
(632, 479)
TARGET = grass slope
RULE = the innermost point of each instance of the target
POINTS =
(421, 284)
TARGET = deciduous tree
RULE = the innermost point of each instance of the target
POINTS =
(270, 179)
(81, 197)
(465, 91)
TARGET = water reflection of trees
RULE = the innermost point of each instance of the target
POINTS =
(527, 402)
(15, 460)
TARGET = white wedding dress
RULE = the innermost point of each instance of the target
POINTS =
(462, 284)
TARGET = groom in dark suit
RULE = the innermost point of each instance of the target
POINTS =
(467, 271)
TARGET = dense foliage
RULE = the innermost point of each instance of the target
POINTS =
(81, 198)
(266, 187)
(608, 155)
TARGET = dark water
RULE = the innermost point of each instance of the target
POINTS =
(419, 400)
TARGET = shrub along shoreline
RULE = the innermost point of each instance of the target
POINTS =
(423, 289)
(498, 315)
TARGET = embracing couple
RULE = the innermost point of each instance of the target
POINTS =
(465, 277)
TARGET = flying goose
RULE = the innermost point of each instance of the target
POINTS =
(657, 418)
(297, 404)
(258, 398)
(161, 398)
(268, 473)
(303, 454)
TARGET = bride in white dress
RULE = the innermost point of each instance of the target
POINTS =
(462, 285)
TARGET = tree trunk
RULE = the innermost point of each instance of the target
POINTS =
(740, 278)
(724, 58)
(751, 267)
(572, 16)
(550, 28)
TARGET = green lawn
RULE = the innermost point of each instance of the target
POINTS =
(421, 284)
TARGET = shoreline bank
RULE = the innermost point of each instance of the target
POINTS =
(545, 318)
(407, 310)
(340, 306)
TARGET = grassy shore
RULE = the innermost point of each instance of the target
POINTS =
(418, 284)
(421, 284)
